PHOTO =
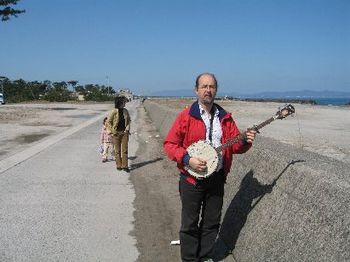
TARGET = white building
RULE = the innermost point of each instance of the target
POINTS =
(126, 92)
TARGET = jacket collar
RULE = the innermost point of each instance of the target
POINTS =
(195, 112)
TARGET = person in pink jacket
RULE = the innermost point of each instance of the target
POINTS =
(202, 199)
(106, 142)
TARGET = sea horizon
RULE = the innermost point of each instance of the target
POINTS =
(323, 101)
(332, 101)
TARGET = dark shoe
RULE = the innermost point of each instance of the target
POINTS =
(104, 160)
(119, 168)
(126, 170)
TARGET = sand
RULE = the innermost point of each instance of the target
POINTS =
(321, 129)
(23, 125)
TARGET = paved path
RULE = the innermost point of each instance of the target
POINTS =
(60, 203)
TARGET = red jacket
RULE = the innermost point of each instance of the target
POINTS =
(189, 128)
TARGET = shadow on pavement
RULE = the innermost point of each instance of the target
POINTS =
(141, 164)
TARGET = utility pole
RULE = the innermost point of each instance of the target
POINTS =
(107, 84)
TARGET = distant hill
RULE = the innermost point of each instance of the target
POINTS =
(307, 94)
(180, 92)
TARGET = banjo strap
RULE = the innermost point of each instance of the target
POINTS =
(211, 124)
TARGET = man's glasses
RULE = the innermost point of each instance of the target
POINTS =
(211, 87)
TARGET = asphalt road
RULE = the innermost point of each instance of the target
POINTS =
(60, 203)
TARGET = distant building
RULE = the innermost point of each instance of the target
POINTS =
(78, 96)
(126, 93)
(81, 97)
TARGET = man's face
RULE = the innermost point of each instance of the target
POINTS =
(206, 89)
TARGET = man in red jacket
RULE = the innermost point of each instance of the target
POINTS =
(202, 199)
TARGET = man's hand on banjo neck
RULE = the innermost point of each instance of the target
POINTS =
(250, 135)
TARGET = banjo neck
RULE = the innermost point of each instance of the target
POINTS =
(206, 151)
(241, 136)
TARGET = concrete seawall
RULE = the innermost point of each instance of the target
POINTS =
(281, 203)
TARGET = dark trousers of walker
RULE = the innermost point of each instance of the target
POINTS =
(200, 217)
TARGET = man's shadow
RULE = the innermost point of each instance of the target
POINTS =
(141, 164)
(238, 211)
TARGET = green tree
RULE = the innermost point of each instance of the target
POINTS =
(79, 89)
(36, 89)
(15, 91)
(72, 83)
(22, 91)
(96, 93)
(58, 92)
(6, 10)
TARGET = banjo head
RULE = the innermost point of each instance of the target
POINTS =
(203, 150)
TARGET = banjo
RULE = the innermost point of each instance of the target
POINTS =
(207, 152)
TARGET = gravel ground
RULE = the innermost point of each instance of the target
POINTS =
(157, 200)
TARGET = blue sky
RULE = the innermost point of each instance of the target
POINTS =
(150, 45)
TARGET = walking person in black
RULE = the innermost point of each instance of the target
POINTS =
(118, 126)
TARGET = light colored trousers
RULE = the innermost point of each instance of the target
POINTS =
(107, 149)
(121, 141)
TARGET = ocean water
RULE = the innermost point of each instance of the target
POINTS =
(332, 101)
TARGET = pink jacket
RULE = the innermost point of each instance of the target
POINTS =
(104, 137)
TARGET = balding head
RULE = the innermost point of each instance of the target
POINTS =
(206, 74)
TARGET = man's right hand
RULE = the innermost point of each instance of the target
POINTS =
(198, 164)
